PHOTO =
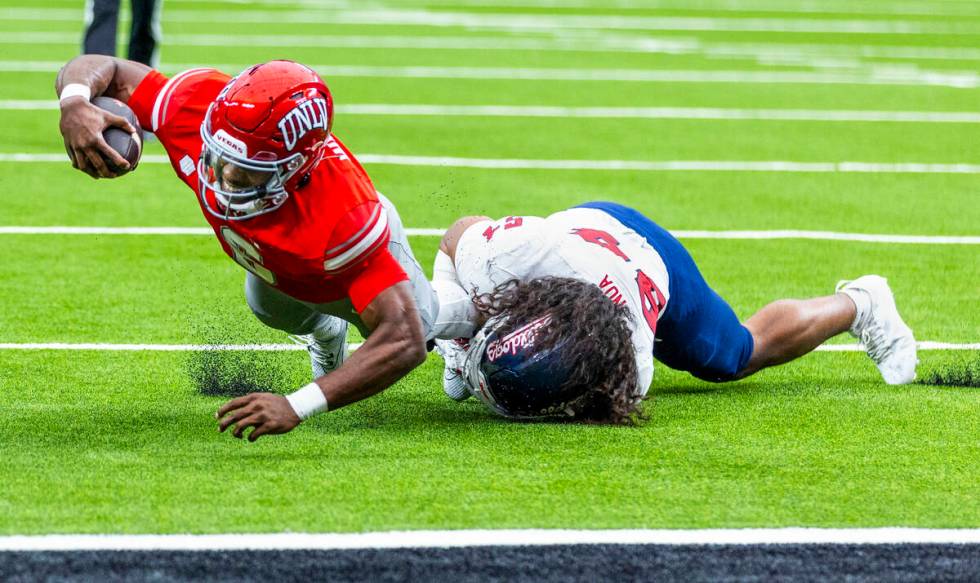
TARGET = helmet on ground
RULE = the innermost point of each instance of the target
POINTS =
(518, 377)
(263, 135)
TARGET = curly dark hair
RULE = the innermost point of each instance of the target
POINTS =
(597, 336)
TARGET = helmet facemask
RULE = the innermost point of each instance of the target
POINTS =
(476, 381)
(233, 204)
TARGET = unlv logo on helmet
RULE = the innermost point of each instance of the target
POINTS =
(307, 115)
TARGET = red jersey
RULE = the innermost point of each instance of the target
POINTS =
(327, 242)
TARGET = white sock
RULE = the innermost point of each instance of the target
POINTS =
(862, 303)
(453, 384)
(330, 328)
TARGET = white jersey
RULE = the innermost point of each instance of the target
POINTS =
(581, 243)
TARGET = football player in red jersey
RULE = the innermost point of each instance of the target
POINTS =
(288, 202)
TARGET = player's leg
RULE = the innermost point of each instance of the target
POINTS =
(787, 329)
(324, 335)
(101, 18)
(145, 31)
(701, 334)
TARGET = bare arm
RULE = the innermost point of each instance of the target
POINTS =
(450, 240)
(105, 75)
(395, 346)
(82, 123)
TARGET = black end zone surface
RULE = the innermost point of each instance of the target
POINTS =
(546, 563)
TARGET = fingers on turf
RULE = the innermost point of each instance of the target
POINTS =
(233, 404)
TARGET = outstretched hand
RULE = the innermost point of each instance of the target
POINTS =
(265, 412)
(81, 126)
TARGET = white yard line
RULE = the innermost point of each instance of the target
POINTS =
(697, 113)
(178, 231)
(864, 8)
(438, 232)
(830, 236)
(902, 76)
(612, 165)
(545, 111)
(551, 22)
(104, 347)
(567, 41)
(673, 165)
(107, 347)
(540, 22)
(482, 538)
(812, 54)
(924, 345)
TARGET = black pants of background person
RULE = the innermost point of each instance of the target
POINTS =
(100, 34)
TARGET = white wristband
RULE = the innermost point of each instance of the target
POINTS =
(308, 401)
(76, 89)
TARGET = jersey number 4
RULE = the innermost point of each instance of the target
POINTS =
(247, 255)
(651, 299)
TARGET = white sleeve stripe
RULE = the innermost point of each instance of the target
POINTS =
(164, 96)
(367, 244)
(378, 243)
(368, 225)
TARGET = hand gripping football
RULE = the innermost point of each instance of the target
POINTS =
(128, 146)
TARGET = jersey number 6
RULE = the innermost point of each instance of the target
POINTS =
(247, 255)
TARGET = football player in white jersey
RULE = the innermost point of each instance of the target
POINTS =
(562, 316)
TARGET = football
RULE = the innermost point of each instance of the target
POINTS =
(129, 147)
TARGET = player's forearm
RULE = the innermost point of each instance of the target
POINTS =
(93, 71)
(103, 75)
(391, 352)
(458, 316)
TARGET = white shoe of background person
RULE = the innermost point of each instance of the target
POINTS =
(328, 353)
(453, 383)
(886, 337)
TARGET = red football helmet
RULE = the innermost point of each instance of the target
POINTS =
(262, 136)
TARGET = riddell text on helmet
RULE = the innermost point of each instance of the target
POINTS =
(517, 340)
(309, 114)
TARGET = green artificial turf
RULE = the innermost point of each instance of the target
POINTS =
(125, 442)
(167, 289)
